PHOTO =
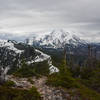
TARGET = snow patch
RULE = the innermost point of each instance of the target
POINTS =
(9, 45)
(53, 69)
(56, 39)
(42, 57)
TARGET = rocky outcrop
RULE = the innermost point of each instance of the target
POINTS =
(12, 54)
(47, 92)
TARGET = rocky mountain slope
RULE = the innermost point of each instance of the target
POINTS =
(12, 54)
(55, 39)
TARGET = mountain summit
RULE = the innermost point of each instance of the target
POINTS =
(55, 39)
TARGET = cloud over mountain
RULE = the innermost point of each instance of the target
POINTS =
(19, 16)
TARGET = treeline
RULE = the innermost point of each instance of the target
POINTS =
(83, 79)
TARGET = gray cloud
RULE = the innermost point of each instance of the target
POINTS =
(38, 15)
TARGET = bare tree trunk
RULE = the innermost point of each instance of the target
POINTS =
(90, 56)
(65, 53)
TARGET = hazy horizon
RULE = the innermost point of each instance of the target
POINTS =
(24, 17)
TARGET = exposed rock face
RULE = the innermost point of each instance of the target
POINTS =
(2, 78)
(3, 72)
(49, 93)
(52, 93)
(12, 54)
(21, 83)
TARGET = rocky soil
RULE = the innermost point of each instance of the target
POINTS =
(47, 92)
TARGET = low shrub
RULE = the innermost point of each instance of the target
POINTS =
(7, 93)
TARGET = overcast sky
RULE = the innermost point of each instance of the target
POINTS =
(26, 16)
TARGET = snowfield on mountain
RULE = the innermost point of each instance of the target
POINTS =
(9, 45)
(55, 39)
(43, 57)
(12, 54)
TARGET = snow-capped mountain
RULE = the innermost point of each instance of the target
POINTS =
(12, 54)
(55, 39)
(53, 43)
